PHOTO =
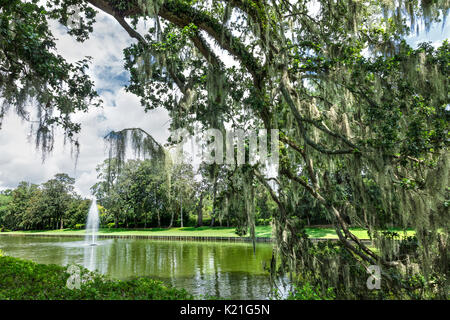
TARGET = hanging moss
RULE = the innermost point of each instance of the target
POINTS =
(139, 141)
(363, 116)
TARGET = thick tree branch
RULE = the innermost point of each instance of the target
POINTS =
(181, 15)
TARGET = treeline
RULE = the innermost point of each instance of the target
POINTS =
(52, 205)
(145, 193)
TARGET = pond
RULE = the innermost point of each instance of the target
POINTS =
(221, 269)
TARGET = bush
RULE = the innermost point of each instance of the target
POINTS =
(307, 292)
(408, 247)
(207, 221)
(263, 222)
(191, 221)
(79, 226)
(110, 225)
(3, 229)
(26, 280)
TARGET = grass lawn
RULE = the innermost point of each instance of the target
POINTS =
(329, 233)
(261, 231)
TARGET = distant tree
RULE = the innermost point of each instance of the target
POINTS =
(77, 211)
(46, 206)
(182, 183)
(16, 213)
(56, 197)
(5, 199)
(139, 192)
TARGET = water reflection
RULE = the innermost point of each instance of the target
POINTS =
(89, 257)
(221, 269)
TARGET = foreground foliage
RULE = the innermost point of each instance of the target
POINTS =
(26, 280)
(146, 194)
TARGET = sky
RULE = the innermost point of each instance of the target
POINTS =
(19, 160)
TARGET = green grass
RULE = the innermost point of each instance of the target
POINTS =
(261, 231)
(26, 280)
(330, 233)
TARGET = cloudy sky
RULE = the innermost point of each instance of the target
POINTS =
(19, 160)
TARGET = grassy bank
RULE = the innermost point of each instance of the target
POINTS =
(26, 280)
(261, 231)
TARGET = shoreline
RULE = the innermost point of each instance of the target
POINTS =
(149, 237)
(264, 234)
(167, 238)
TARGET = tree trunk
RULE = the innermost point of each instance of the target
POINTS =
(145, 220)
(200, 212)
(159, 220)
(171, 218)
(213, 215)
(181, 205)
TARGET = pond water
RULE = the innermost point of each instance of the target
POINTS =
(219, 269)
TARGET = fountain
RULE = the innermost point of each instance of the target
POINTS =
(93, 221)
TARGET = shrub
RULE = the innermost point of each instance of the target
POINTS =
(207, 221)
(408, 247)
(307, 292)
(26, 280)
(263, 222)
(191, 221)
(79, 226)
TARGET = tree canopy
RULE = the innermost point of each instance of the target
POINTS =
(51, 205)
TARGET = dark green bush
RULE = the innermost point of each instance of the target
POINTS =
(408, 247)
(307, 292)
(263, 222)
(207, 221)
(26, 280)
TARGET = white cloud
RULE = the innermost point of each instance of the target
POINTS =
(436, 35)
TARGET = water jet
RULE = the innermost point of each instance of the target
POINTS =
(92, 224)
